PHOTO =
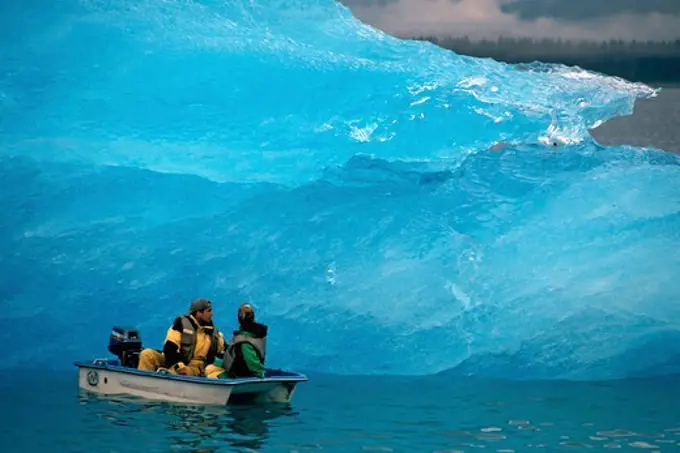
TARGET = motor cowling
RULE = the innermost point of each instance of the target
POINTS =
(126, 344)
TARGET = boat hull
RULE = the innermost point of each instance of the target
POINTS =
(107, 377)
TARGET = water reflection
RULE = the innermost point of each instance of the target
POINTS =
(188, 427)
(395, 414)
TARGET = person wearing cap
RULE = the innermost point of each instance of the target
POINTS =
(191, 343)
(245, 354)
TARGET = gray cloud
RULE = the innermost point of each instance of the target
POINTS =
(580, 10)
(572, 19)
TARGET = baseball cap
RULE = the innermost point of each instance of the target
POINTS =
(199, 305)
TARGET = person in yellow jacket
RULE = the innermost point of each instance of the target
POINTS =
(245, 354)
(191, 344)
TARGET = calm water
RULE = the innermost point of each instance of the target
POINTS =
(352, 415)
(655, 123)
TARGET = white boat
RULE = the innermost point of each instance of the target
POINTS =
(121, 377)
(109, 377)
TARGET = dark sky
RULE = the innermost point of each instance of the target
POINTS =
(570, 19)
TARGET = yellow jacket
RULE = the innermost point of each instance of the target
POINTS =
(189, 343)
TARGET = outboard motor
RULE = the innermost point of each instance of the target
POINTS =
(126, 344)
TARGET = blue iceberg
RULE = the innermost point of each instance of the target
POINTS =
(388, 206)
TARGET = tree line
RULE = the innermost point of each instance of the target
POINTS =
(643, 61)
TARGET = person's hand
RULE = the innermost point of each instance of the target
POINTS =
(180, 368)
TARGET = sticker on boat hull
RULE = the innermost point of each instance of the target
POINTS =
(93, 378)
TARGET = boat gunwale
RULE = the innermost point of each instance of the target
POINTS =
(107, 366)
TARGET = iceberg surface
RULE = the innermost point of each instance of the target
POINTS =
(388, 206)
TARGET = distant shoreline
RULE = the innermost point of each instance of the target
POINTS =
(652, 63)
